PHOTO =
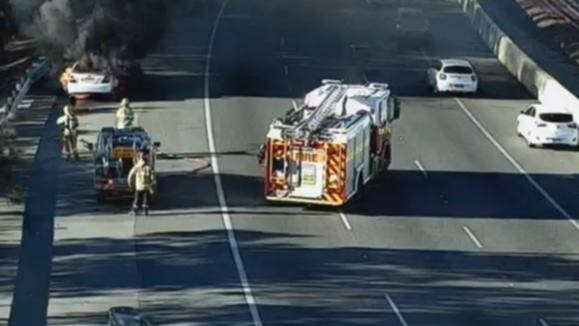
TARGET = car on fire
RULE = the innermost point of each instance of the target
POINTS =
(81, 80)
(94, 76)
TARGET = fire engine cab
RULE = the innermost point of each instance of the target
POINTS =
(326, 150)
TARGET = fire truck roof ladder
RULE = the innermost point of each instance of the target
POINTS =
(335, 93)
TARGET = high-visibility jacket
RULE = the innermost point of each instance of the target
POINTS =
(70, 123)
(125, 117)
(143, 177)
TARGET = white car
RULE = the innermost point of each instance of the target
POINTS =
(79, 80)
(543, 125)
(452, 75)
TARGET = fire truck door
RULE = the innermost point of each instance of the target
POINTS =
(307, 173)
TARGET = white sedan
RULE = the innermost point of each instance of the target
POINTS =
(452, 75)
(542, 125)
(78, 80)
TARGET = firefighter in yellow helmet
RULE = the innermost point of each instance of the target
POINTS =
(69, 122)
(125, 115)
(142, 181)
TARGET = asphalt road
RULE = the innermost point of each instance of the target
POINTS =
(468, 228)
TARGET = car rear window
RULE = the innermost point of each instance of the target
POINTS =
(556, 117)
(457, 70)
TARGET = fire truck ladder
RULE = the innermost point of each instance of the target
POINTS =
(335, 93)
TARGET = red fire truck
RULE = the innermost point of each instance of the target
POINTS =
(326, 150)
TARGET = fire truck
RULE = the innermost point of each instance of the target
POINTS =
(324, 151)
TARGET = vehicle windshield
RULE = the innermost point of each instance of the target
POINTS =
(556, 117)
(458, 70)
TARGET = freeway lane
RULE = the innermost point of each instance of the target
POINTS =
(470, 243)
(408, 237)
(174, 264)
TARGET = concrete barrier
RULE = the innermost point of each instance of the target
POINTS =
(547, 89)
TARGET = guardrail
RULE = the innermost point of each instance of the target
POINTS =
(33, 73)
(547, 89)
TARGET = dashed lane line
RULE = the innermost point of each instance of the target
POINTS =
(396, 311)
(543, 322)
(344, 219)
(421, 168)
(518, 166)
(472, 237)
(250, 300)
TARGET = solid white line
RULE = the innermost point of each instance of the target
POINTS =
(396, 311)
(282, 42)
(472, 236)
(421, 168)
(543, 322)
(285, 70)
(218, 184)
(516, 164)
(345, 220)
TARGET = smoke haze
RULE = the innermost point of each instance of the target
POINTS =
(70, 29)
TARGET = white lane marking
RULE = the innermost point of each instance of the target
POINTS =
(250, 300)
(516, 164)
(295, 104)
(345, 220)
(395, 309)
(421, 168)
(543, 322)
(472, 236)
(366, 80)
(285, 70)
(282, 42)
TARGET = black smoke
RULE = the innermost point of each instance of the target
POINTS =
(112, 29)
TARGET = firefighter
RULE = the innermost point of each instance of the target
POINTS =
(261, 154)
(142, 181)
(69, 121)
(125, 115)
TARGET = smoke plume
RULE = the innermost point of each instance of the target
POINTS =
(71, 29)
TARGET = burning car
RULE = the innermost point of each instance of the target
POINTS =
(97, 76)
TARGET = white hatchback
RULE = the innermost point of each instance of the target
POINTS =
(542, 125)
(452, 75)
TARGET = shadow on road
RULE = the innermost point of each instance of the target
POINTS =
(313, 285)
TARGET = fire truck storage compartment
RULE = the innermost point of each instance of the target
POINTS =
(359, 152)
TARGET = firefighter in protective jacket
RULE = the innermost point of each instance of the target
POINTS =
(69, 121)
(142, 181)
(125, 115)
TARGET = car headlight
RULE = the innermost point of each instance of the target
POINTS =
(442, 77)
(473, 78)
